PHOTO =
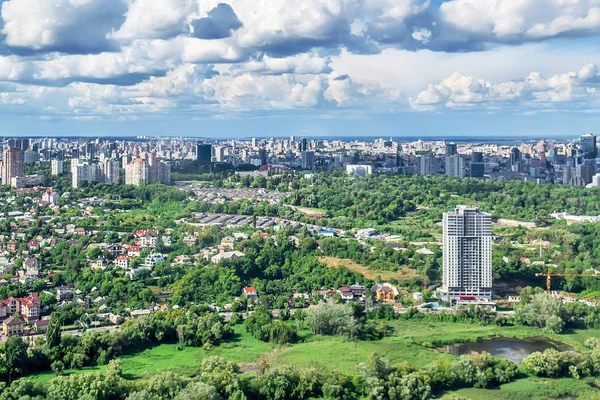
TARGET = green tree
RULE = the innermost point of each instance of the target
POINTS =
(15, 353)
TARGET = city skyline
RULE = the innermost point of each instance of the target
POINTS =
(343, 67)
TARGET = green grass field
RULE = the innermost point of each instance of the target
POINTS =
(413, 342)
(532, 389)
(242, 349)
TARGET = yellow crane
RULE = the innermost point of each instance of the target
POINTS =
(548, 276)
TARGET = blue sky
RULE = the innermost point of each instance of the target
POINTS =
(239, 68)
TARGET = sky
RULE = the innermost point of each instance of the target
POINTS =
(241, 68)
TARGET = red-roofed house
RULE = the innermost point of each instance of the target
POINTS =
(134, 251)
(123, 262)
(250, 293)
(28, 307)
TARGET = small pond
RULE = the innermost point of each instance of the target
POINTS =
(515, 350)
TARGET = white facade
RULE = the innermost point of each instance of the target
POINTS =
(467, 260)
(81, 172)
(57, 167)
(110, 171)
(359, 170)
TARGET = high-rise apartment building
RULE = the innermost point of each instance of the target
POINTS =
(427, 164)
(109, 171)
(57, 167)
(467, 260)
(136, 172)
(148, 170)
(12, 164)
(83, 172)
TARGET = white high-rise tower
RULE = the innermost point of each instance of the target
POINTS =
(467, 255)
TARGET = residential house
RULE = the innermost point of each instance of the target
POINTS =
(385, 292)
(149, 240)
(30, 270)
(134, 251)
(123, 262)
(240, 236)
(228, 242)
(50, 197)
(13, 326)
(182, 259)
(114, 250)
(41, 326)
(345, 293)
(250, 293)
(34, 245)
(28, 307)
(99, 264)
(226, 256)
(64, 293)
(153, 259)
(190, 240)
(358, 291)
(12, 246)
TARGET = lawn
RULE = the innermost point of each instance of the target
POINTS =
(243, 348)
(413, 342)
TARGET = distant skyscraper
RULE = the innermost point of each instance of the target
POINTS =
(427, 164)
(254, 143)
(308, 160)
(587, 145)
(12, 164)
(455, 166)
(303, 145)
(89, 151)
(467, 259)
(204, 153)
(516, 159)
(451, 149)
(477, 167)
(264, 156)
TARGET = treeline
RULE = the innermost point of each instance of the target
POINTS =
(195, 327)
(380, 199)
(218, 378)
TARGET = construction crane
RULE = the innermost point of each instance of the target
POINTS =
(548, 276)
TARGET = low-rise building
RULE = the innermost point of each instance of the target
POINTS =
(13, 326)
(226, 256)
(250, 293)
